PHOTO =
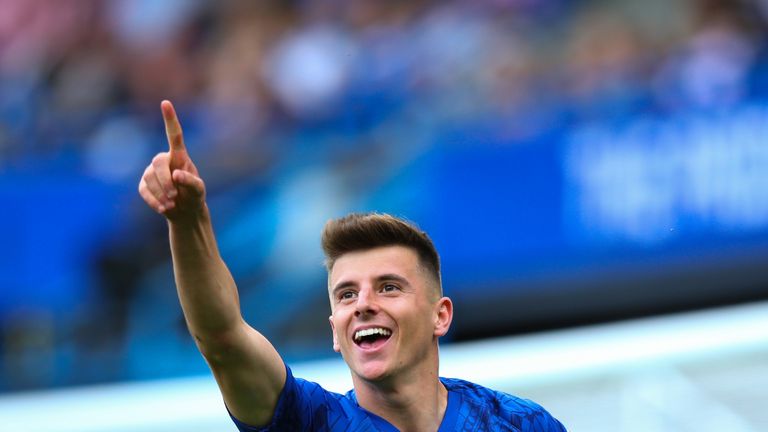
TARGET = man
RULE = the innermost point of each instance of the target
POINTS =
(388, 313)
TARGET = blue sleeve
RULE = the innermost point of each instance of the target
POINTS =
(535, 418)
(301, 405)
(546, 423)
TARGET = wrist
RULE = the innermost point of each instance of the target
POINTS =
(189, 218)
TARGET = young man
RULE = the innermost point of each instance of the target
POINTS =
(388, 313)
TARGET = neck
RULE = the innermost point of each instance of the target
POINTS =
(415, 402)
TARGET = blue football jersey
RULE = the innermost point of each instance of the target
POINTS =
(305, 406)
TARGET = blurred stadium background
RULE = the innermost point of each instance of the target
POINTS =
(594, 173)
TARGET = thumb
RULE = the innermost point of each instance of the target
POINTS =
(173, 130)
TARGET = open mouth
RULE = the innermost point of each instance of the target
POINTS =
(371, 337)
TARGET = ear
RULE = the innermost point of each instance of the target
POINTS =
(336, 346)
(443, 316)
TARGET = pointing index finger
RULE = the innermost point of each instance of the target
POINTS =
(172, 127)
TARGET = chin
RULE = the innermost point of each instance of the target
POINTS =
(373, 371)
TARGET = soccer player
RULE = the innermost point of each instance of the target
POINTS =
(387, 314)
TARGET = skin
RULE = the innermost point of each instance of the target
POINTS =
(387, 287)
(382, 286)
(247, 368)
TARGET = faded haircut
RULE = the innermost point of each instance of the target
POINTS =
(363, 231)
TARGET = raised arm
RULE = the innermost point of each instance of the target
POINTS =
(247, 368)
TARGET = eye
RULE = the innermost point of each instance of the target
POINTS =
(389, 288)
(346, 295)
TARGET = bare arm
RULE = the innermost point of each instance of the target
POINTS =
(247, 368)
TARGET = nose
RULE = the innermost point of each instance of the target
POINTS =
(366, 302)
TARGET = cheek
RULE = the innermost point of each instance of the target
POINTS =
(338, 328)
(417, 323)
(428, 320)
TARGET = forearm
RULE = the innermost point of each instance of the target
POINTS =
(249, 371)
(206, 290)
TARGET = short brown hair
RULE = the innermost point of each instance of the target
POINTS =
(362, 231)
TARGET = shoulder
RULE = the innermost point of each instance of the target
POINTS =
(301, 397)
(500, 410)
(303, 405)
(483, 395)
(323, 410)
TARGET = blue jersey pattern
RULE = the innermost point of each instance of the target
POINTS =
(305, 406)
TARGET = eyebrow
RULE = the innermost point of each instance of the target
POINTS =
(381, 278)
(342, 285)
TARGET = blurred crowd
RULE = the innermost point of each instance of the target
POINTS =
(82, 77)
(282, 101)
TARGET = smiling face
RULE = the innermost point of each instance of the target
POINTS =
(387, 315)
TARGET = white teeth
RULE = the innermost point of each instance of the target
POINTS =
(367, 332)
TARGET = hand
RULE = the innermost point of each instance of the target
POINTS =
(171, 184)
